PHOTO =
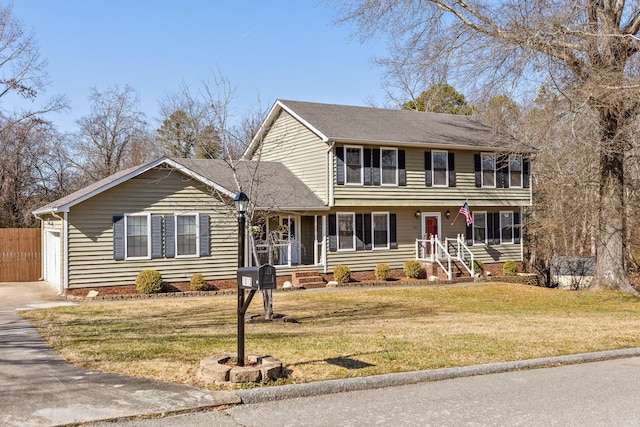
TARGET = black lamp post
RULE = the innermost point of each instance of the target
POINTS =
(241, 202)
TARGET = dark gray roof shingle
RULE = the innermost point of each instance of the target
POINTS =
(269, 185)
(379, 125)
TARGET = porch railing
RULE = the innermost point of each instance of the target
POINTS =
(433, 250)
(461, 252)
(276, 254)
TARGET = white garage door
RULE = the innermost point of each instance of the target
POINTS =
(52, 258)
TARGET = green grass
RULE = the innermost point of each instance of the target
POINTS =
(344, 333)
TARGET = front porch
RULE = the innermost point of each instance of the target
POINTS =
(446, 256)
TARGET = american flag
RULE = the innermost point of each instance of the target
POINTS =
(464, 210)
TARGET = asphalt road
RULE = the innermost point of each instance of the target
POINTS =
(590, 394)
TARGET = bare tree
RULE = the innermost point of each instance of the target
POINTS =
(107, 136)
(588, 48)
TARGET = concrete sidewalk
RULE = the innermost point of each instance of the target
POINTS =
(39, 388)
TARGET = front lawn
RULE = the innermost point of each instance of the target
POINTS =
(344, 332)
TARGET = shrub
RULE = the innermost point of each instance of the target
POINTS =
(149, 282)
(510, 268)
(197, 282)
(478, 267)
(341, 273)
(383, 271)
(413, 269)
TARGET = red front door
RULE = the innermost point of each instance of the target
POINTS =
(430, 226)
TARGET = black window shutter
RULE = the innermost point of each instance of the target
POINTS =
(402, 170)
(516, 227)
(205, 245)
(428, 177)
(393, 238)
(156, 236)
(376, 167)
(526, 166)
(469, 234)
(333, 235)
(340, 165)
(359, 232)
(367, 231)
(118, 237)
(367, 166)
(169, 236)
(477, 167)
(452, 170)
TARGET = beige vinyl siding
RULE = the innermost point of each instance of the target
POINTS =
(91, 260)
(497, 253)
(408, 229)
(300, 150)
(416, 192)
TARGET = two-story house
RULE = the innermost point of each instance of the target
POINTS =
(328, 185)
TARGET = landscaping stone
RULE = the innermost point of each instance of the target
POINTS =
(218, 369)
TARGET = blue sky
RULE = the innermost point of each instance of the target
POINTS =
(285, 49)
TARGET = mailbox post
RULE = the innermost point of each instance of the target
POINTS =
(253, 279)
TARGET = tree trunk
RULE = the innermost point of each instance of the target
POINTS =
(611, 271)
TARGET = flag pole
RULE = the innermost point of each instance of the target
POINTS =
(454, 220)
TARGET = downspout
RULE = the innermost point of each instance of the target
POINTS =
(42, 256)
(330, 173)
(65, 245)
(331, 204)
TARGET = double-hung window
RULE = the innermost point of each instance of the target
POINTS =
(346, 231)
(353, 165)
(389, 164)
(488, 170)
(380, 230)
(137, 236)
(440, 168)
(187, 242)
(506, 227)
(515, 171)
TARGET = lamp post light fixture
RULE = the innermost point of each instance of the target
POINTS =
(241, 202)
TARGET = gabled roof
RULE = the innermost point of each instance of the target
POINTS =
(350, 124)
(269, 185)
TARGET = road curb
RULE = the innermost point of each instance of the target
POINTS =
(267, 394)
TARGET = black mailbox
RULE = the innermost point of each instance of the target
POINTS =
(261, 277)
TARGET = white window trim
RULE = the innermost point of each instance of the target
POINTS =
(373, 229)
(126, 235)
(353, 231)
(502, 241)
(346, 165)
(394, 184)
(175, 226)
(495, 166)
(473, 227)
(521, 171)
(433, 169)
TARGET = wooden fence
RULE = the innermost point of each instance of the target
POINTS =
(20, 254)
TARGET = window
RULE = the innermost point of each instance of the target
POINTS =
(440, 170)
(186, 235)
(346, 234)
(138, 239)
(479, 228)
(506, 227)
(353, 165)
(488, 170)
(380, 230)
(389, 162)
(515, 171)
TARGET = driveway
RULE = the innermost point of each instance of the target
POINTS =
(39, 388)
